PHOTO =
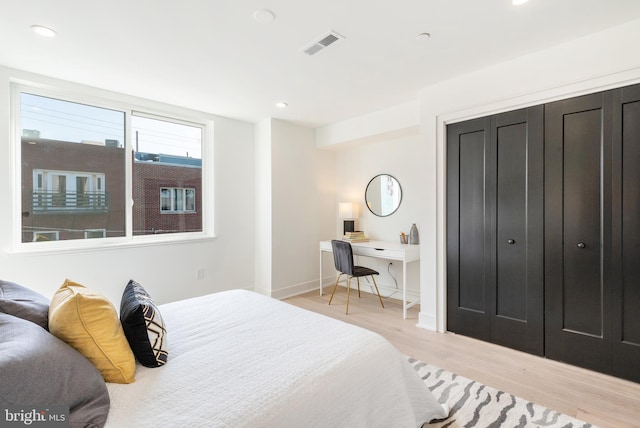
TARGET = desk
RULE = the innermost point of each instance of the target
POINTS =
(383, 250)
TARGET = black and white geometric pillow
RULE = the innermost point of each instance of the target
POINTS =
(143, 326)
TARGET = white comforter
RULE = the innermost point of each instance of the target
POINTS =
(240, 359)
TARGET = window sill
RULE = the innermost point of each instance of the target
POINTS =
(107, 244)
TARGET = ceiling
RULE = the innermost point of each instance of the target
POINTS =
(212, 55)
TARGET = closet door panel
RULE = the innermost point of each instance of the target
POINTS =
(517, 302)
(577, 230)
(468, 252)
(583, 287)
(631, 224)
(511, 285)
(472, 222)
(494, 229)
(626, 286)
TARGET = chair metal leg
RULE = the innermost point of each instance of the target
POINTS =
(348, 288)
(358, 279)
(334, 288)
(377, 291)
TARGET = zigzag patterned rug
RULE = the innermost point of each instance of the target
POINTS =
(473, 404)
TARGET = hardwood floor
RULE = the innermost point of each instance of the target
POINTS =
(602, 400)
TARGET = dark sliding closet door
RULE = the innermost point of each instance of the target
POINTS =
(495, 229)
(517, 316)
(468, 228)
(626, 234)
(578, 265)
(543, 230)
(593, 231)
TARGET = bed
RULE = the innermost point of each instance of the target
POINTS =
(229, 359)
(240, 359)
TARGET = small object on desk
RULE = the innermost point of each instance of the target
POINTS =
(349, 226)
(355, 236)
(414, 238)
(403, 238)
(348, 212)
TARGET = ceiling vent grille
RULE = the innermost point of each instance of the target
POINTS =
(323, 42)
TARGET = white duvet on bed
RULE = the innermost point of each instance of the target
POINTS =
(240, 359)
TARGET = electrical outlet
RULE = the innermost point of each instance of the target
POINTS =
(200, 273)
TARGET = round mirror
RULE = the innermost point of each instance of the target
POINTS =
(383, 195)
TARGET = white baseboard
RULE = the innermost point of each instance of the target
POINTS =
(386, 291)
(295, 290)
(427, 321)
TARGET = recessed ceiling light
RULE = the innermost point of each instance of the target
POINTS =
(518, 2)
(264, 16)
(281, 104)
(43, 31)
(423, 36)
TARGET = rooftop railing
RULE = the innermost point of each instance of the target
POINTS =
(70, 202)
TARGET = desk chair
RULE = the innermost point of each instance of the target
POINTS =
(343, 259)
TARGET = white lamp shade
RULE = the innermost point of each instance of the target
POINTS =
(347, 210)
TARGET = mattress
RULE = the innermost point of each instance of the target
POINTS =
(240, 359)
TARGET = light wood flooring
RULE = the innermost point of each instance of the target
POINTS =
(602, 400)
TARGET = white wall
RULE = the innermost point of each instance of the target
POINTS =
(263, 208)
(596, 62)
(303, 203)
(383, 125)
(356, 166)
(167, 270)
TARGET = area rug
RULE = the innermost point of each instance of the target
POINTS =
(473, 404)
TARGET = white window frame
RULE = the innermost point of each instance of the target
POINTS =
(131, 106)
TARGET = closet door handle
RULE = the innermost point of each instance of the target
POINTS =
(581, 245)
(511, 241)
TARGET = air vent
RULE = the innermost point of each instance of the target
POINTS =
(322, 43)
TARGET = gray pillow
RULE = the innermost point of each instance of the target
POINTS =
(24, 303)
(39, 369)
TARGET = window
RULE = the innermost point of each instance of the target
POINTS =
(73, 168)
(83, 176)
(47, 235)
(63, 190)
(167, 175)
(94, 233)
(177, 200)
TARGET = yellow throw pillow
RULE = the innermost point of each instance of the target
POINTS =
(87, 321)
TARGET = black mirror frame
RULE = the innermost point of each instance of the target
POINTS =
(366, 202)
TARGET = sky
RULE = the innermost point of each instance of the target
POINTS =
(68, 121)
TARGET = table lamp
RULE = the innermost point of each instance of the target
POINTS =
(348, 212)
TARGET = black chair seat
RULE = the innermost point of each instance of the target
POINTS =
(363, 271)
(343, 259)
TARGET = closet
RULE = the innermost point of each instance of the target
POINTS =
(495, 229)
(543, 230)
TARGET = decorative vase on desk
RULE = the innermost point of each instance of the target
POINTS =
(414, 237)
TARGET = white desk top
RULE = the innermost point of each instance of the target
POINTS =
(382, 249)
